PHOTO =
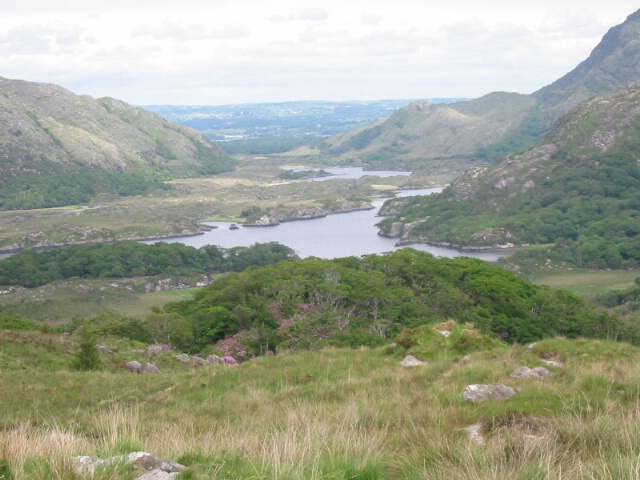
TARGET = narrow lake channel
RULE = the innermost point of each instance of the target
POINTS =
(334, 236)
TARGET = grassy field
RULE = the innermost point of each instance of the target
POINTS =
(330, 414)
(61, 301)
(588, 283)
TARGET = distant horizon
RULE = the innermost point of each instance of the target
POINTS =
(457, 99)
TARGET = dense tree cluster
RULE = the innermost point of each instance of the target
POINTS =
(132, 259)
(354, 301)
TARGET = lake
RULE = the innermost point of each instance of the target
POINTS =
(334, 236)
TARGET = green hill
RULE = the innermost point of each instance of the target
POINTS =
(436, 137)
(58, 148)
(579, 189)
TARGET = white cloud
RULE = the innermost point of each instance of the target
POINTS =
(159, 51)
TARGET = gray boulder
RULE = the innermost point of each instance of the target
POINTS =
(526, 372)
(411, 361)
(183, 358)
(198, 362)
(480, 393)
(148, 461)
(150, 368)
(154, 350)
(215, 360)
(104, 349)
(134, 366)
(475, 433)
(86, 466)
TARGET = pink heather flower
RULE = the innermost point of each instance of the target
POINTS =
(229, 359)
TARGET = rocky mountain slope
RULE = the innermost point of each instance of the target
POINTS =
(59, 148)
(579, 188)
(487, 128)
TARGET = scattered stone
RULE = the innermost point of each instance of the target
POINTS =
(154, 349)
(444, 333)
(411, 361)
(215, 360)
(183, 358)
(134, 366)
(531, 346)
(552, 363)
(85, 465)
(104, 349)
(157, 468)
(151, 462)
(198, 362)
(475, 433)
(480, 393)
(526, 372)
(150, 368)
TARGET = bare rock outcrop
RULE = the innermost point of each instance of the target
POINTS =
(480, 393)
(526, 372)
(411, 361)
(150, 368)
(134, 366)
(157, 468)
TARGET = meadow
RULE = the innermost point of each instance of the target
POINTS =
(329, 414)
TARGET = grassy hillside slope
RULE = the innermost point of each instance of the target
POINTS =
(326, 415)
(58, 148)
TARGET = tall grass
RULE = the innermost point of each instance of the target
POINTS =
(340, 414)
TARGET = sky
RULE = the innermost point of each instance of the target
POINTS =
(214, 52)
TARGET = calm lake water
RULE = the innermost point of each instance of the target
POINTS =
(347, 173)
(334, 236)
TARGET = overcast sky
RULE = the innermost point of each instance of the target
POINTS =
(211, 52)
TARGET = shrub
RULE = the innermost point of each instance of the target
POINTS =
(87, 357)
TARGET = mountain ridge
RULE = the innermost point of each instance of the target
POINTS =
(613, 64)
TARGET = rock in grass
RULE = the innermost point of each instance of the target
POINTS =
(154, 350)
(134, 366)
(198, 361)
(480, 393)
(215, 360)
(105, 349)
(86, 466)
(151, 462)
(150, 368)
(475, 433)
(158, 468)
(411, 361)
(526, 372)
(552, 363)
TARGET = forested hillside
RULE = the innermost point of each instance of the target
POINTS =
(367, 301)
(578, 190)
